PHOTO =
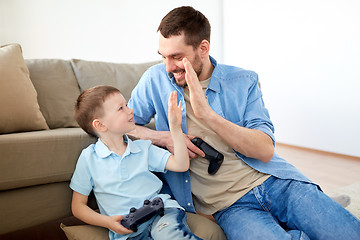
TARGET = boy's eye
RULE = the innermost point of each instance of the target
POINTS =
(120, 108)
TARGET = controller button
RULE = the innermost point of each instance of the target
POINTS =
(146, 202)
(132, 210)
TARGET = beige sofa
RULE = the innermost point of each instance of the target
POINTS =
(39, 139)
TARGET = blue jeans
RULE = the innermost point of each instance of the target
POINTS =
(287, 209)
(171, 226)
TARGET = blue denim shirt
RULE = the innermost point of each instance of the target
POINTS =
(233, 93)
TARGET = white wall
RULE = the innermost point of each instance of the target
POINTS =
(108, 30)
(307, 55)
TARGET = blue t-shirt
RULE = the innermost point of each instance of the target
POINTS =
(121, 182)
(233, 93)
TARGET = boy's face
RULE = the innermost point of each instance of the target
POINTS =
(117, 118)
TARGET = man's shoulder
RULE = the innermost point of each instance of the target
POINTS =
(227, 74)
(157, 69)
(233, 71)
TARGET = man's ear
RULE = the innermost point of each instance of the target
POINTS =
(204, 48)
(98, 126)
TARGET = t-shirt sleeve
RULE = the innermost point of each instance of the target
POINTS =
(158, 158)
(81, 180)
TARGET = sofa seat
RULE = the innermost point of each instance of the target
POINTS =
(34, 185)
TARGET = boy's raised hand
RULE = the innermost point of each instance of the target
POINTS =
(175, 114)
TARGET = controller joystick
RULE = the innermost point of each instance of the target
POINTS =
(215, 158)
(143, 214)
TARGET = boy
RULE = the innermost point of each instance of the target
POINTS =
(118, 169)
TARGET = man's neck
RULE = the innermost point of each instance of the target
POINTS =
(207, 70)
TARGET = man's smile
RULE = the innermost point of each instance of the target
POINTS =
(178, 74)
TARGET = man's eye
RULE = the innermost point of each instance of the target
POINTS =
(178, 58)
(120, 108)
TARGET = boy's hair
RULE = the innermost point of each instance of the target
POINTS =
(187, 20)
(89, 106)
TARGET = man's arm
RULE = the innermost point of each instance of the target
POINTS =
(86, 214)
(250, 142)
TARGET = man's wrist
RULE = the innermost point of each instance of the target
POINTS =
(159, 138)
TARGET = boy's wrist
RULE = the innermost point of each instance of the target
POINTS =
(175, 129)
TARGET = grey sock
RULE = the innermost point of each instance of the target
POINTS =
(344, 200)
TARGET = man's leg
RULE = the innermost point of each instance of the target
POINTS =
(247, 219)
(172, 226)
(303, 206)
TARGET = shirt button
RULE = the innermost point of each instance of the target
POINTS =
(189, 204)
(186, 181)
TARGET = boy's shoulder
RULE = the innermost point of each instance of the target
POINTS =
(145, 145)
(141, 143)
(88, 151)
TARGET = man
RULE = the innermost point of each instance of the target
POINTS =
(255, 194)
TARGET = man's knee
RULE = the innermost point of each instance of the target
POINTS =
(204, 228)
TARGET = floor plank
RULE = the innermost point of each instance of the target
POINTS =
(330, 171)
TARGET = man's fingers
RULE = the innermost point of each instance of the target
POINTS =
(194, 149)
(192, 155)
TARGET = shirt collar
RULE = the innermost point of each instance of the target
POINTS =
(217, 74)
(103, 151)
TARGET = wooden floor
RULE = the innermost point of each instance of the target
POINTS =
(330, 171)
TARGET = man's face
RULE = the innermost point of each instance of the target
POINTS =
(173, 49)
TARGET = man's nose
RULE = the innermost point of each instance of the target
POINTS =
(170, 65)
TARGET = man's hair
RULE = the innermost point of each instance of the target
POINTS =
(187, 20)
(89, 106)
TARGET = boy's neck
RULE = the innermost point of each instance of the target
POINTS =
(117, 145)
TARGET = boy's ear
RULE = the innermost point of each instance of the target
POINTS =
(98, 126)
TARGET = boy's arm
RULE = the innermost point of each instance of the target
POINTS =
(179, 162)
(86, 214)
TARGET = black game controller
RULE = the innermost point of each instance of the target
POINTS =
(215, 157)
(143, 214)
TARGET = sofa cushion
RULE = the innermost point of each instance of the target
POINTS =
(40, 157)
(26, 207)
(85, 232)
(122, 76)
(19, 105)
(57, 90)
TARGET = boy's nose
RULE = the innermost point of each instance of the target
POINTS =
(130, 110)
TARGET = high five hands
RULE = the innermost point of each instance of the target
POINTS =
(198, 100)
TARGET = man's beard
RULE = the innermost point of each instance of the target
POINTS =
(198, 69)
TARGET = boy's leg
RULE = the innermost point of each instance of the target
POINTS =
(204, 228)
(303, 206)
(172, 226)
